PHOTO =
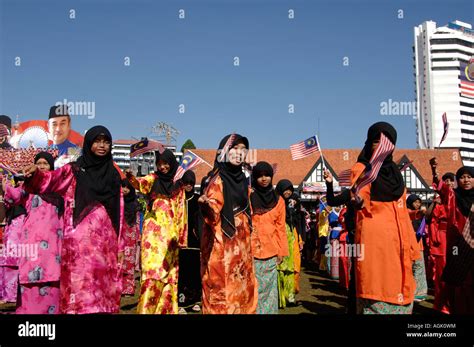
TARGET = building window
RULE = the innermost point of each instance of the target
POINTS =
(319, 173)
(407, 177)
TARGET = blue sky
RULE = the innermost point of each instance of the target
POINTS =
(190, 62)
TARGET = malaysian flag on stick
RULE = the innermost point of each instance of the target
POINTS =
(189, 161)
(226, 148)
(445, 127)
(304, 148)
(384, 148)
(146, 146)
(344, 178)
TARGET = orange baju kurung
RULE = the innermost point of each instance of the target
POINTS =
(228, 279)
(388, 248)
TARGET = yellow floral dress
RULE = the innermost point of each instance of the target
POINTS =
(164, 232)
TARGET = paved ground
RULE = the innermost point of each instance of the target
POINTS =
(319, 295)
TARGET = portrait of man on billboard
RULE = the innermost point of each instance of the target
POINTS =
(59, 128)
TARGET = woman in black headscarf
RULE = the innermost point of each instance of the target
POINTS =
(384, 235)
(131, 236)
(269, 241)
(164, 232)
(228, 278)
(290, 267)
(91, 253)
(416, 212)
(459, 270)
(189, 284)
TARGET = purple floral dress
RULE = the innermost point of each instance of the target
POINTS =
(91, 278)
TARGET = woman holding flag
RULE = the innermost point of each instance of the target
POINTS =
(227, 270)
(384, 276)
(164, 232)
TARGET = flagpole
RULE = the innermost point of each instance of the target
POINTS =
(320, 152)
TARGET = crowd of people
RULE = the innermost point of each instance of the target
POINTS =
(237, 246)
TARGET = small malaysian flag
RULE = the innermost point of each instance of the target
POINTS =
(304, 148)
(226, 148)
(445, 127)
(384, 148)
(189, 161)
(146, 146)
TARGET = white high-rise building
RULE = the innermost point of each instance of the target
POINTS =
(438, 54)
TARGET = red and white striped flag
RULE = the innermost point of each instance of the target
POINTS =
(304, 148)
(344, 178)
(189, 161)
(445, 127)
(226, 148)
(384, 148)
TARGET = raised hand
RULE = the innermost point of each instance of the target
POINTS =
(327, 176)
(29, 171)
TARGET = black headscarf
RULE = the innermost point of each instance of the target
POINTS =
(189, 177)
(281, 187)
(411, 199)
(235, 187)
(263, 199)
(52, 198)
(164, 185)
(98, 181)
(389, 185)
(130, 204)
(464, 198)
(449, 175)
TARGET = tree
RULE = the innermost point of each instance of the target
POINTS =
(188, 145)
